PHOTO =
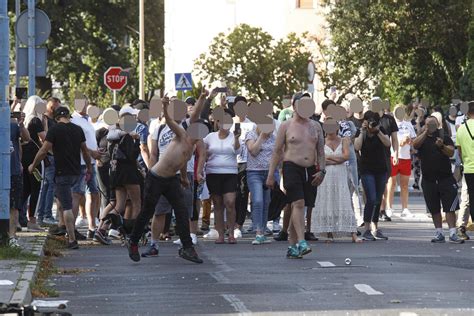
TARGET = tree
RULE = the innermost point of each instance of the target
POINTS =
(251, 62)
(467, 81)
(405, 48)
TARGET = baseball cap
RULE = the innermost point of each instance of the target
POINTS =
(128, 110)
(61, 111)
(190, 100)
(140, 104)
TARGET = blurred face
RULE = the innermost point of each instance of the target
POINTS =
(51, 106)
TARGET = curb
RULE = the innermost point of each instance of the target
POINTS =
(22, 293)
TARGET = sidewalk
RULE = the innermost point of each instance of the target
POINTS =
(17, 274)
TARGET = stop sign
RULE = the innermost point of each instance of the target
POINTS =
(114, 80)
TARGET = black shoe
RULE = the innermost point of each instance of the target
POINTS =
(190, 254)
(384, 218)
(90, 234)
(133, 251)
(100, 236)
(309, 236)
(282, 236)
(359, 233)
(416, 187)
(73, 245)
(58, 231)
(79, 236)
(462, 233)
(205, 227)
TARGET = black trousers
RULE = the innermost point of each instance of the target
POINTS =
(155, 187)
(242, 198)
(470, 191)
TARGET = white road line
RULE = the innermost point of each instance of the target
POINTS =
(6, 282)
(237, 304)
(367, 289)
(326, 264)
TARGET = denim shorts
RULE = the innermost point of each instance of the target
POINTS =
(63, 190)
(82, 187)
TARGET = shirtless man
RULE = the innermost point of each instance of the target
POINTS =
(300, 144)
(163, 180)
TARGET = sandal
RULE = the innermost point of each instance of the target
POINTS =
(219, 242)
(232, 240)
(356, 239)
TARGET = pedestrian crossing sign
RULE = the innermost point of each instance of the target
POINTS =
(183, 82)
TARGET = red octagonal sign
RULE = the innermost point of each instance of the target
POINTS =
(114, 78)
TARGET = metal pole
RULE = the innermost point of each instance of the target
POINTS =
(115, 96)
(141, 83)
(4, 125)
(17, 14)
(31, 48)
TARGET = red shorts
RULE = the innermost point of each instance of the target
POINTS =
(403, 167)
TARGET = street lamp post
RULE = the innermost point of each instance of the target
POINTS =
(141, 87)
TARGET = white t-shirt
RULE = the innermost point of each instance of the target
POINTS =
(166, 136)
(459, 120)
(405, 129)
(221, 156)
(89, 132)
(245, 127)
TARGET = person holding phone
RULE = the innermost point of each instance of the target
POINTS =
(372, 142)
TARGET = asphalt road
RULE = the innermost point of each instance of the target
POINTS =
(406, 275)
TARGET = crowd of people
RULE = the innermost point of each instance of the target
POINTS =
(167, 173)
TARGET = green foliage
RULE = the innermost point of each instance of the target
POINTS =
(404, 48)
(467, 81)
(89, 36)
(252, 63)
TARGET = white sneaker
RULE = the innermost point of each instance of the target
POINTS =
(114, 234)
(177, 242)
(211, 234)
(97, 222)
(13, 242)
(81, 221)
(237, 233)
(389, 212)
(276, 227)
(406, 213)
(194, 238)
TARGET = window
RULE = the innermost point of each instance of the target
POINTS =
(304, 4)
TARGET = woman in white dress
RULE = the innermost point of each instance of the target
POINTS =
(333, 213)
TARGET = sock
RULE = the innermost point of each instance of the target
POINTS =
(439, 231)
(452, 231)
(128, 225)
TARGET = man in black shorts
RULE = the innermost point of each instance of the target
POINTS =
(67, 141)
(439, 186)
(300, 144)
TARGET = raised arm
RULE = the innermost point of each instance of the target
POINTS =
(177, 130)
(277, 155)
(199, 106)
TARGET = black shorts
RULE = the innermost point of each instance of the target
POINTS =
(442, 192)
(297, 183)
(63, 190)
(221, 183)
(16, 192)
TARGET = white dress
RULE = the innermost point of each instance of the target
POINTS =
(333, 211)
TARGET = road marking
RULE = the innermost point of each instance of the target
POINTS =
(237, 304)
(367, 289)
(326, 264)
(6, 282)
(410, 256)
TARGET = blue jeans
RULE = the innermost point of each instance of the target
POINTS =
(260, 196)
(374, 186)
(47, 194)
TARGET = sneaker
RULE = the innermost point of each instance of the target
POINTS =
(190, 254)
(100, 237)
(79, 236)
(133, 251)
(152, 251)
(276, 227)
(81, 221)
(462, 233)
(58, 231)
(114, 234)
(439, 238)
(384, 218)
(90, 234)
(250, 230)
(454, 239)
(260, 240)
(205, 227)
(194, 238)
(13, 243)
(73, 245)
(282, 236)
(406, 213)
(309, 236)
(33, 227)
(389, 212)
(293, 253)
(367, 235)
(416, 187)
(268, 232)
(379, 235)
(303, 247)
(50, 221)
(237, 233)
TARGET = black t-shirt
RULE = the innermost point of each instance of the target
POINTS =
(66, 139)
(30, 149)
(434, 164)
(389, 125)
(51, 122)
(372, 155)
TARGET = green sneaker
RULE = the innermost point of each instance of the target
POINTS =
(303, 247)
(293, 253)
(260, 240)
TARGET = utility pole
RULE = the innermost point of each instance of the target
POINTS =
(31, 48)
(141, 84)
(4, 125)
(17, 45)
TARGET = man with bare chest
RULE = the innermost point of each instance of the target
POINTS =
(163, 180)
(300, 144)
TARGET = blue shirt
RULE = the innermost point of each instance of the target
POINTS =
(15, 162)
(142, 131)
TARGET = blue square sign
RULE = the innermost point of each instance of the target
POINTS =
(183, 82)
